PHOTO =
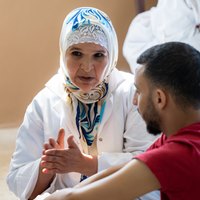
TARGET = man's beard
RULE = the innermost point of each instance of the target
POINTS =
(153, 129)
(152, 119)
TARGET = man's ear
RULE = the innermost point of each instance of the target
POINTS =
(160, 98)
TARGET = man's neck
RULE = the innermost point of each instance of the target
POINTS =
(178, 120)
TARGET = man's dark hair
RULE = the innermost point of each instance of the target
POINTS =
(174, 66)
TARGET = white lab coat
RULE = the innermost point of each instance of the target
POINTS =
(122, 133)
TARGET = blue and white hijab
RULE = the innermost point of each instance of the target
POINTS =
(82, 25)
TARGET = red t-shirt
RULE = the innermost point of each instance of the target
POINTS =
(175, 161)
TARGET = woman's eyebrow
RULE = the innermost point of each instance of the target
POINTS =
(80, 49)
(100, 51)
(74, 48)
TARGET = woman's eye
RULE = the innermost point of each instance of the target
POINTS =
(98, 55)
(76, 53)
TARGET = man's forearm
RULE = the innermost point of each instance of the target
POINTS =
(128, 182)
(99, 175)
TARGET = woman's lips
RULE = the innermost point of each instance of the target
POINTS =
(86, 78)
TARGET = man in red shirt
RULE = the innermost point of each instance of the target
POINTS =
(168, 98)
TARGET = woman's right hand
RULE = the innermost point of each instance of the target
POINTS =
(57, 159)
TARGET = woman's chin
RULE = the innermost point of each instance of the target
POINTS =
(86, 87)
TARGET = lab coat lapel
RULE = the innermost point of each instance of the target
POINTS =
(66, 120)
(115, 80)
(107, 112)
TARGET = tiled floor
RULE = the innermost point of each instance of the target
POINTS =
(7, 145)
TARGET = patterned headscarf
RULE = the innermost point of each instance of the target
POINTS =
(88, 25)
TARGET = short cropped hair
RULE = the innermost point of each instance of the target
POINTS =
(174, 66)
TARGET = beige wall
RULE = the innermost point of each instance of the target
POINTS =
(29, 53)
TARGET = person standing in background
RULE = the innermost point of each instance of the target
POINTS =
(177, 20)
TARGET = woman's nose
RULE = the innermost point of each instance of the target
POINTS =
(87, 65)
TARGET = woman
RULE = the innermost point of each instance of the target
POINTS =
(84, 117)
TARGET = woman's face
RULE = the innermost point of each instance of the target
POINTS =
(85, 64)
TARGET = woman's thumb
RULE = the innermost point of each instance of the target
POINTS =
(71, 142)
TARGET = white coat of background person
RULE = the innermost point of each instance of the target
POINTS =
(177, 20)
(89, 99)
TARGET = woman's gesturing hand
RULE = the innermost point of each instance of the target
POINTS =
(57, 159)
